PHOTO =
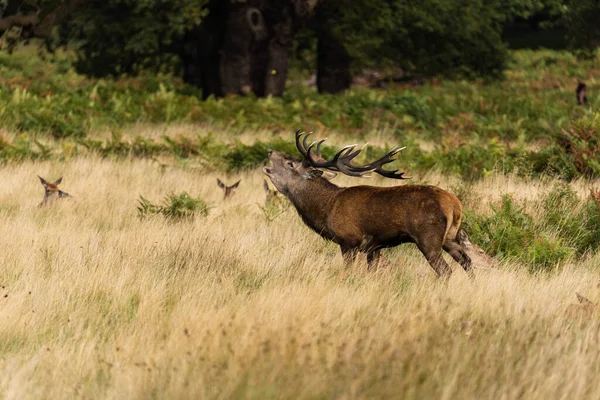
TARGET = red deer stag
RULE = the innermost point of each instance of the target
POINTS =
(367, 218)
(51, 191)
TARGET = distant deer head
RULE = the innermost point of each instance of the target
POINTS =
(583, 310)
(51, 191)
(595, 195)
(269, 194)
(581, 93)
(228, 191)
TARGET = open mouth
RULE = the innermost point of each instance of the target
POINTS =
(267, 170)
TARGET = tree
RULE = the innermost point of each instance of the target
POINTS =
(243, 46)
(222, 46)
(423, 37)
(583, 31)
(36, 23)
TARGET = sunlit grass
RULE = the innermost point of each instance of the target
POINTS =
(97, 302)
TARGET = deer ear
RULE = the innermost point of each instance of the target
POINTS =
(329, 175)
(235, 185)
(221, 184)
(43, 181)
(313, 174)
(58, 181)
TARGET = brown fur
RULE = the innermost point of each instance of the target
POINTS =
(228, 191)
(368, 219)
(51, 191)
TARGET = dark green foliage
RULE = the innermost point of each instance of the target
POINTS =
(583, 30)
(477, 159)
(574, 152)
(509, 232)
(427, 37)
(505, 232)
(174, 206)
(430, 37)
(575, 221)
(462, 128)
(242, 157)
(129, 36)
(565, 226)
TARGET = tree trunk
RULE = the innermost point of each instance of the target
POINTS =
(243, 48)
(200, 56)
(279, 48)
(236, 53)
(333, 64)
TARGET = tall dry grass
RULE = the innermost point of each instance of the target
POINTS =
(96, 303)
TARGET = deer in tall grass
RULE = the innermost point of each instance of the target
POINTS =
(367, 218)
(270, 195)
(51, 191)
(228, 191)
(580, 93)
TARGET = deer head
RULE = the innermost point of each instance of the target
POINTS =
(228, 191)
(51, 191)
(269, 194)
(287, 170)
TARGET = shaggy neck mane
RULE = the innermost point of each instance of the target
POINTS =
(314, 200)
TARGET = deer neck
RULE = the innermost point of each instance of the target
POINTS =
(314, 201)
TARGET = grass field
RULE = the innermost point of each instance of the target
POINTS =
(97, 301)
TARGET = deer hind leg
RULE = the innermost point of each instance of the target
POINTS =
(459, 255)
(432, 250)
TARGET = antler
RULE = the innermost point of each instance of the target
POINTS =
(342, 161)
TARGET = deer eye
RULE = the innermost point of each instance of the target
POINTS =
(290, 164)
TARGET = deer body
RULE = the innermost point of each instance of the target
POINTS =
(368, 219)
(580, 93)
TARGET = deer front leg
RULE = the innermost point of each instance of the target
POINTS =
(348, 254)
(432, 250)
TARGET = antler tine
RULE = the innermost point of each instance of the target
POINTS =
(375, 166)
(306, 135)
(387, 158)
(391, 174)
(342, 160)
(299, 144)
(351, 170)
(321, 163)
(319, 148)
